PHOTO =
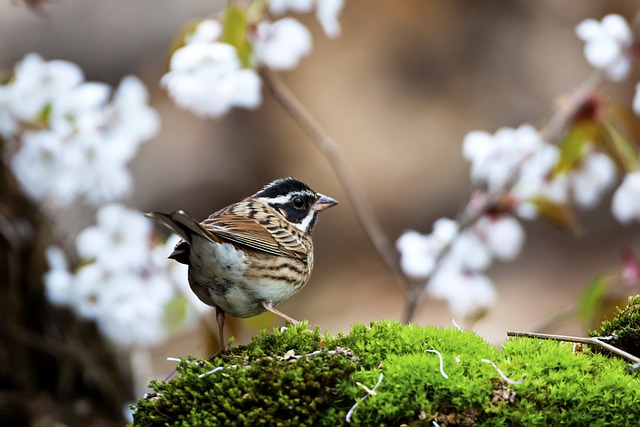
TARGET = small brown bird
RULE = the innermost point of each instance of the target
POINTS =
(252, 255)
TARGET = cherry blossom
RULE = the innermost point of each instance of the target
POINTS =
(125, 280)
(466, 292)
(208, 80)
(636, 102)
(626, 199)
(607, 44)
(281, 45)
(120, 237)
(327, 12)
(72, 140)
(495, 159)
(419, 252)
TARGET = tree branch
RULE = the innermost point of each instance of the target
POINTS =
(325, 143)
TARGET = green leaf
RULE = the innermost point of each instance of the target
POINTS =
(571, 151)
(556, 214)
(621, 148)
(235, 33)
(591, 299)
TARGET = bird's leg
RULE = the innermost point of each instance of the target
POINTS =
(220, 320)
(267, 306)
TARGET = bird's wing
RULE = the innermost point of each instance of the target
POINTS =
(258, 229)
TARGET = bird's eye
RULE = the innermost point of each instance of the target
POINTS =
(298, 202)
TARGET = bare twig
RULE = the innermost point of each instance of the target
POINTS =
(591, 341)
(325, 143)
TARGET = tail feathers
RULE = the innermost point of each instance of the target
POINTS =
(181, 223)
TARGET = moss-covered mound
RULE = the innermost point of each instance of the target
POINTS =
(624, 329)
(297, 378)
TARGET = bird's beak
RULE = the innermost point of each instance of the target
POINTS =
(323, 203)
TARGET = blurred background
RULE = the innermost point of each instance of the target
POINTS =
(398, 90)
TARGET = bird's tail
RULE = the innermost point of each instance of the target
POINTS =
(181, 223)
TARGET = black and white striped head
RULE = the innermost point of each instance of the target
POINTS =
(295, 201)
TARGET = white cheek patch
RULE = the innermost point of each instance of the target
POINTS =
(304, 224)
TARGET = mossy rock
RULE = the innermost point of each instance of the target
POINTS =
(624, 329)
(295, 377)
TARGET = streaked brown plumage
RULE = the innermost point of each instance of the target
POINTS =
(252, 255)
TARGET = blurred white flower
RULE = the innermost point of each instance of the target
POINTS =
(468, 252)
(496, 159)
(135, 309)
(534, 180)
(57, 281)
(466, 292)
(88, 290)
(636, 102)
(38, 83)
(418, 252)
(41, 167)
(74, 141)
(125, 283)
(80, 110)
(206, 31)
(119, 240)
(327, 12)
(595, 175)
(280, 45)
(626, 199)
(607, 44)
(279, 7)
(503, 235)
(207, 79)
(131, 120)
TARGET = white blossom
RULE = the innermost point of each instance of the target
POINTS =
(72, 140)
(57, 281)
(626, 199)
(503, 235)
(469, 252)
(130, 119)
(636, 102)
(119, 240)
(607, 44)
(125, 281)
(327, 13)
(495, 159)
(595, 175)
(418, 253)
(207, 31)
(208, 80)
(38, 83)
(466, 292)
(279, 7)
(281, 45)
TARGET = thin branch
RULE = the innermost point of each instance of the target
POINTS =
(325, 143)
(591, 341)
(553, 130)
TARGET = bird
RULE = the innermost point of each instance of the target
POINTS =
(250, 256)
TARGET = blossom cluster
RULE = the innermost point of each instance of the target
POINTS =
(216, 69)
(70, 139)
(610, 45)
(125, 283)
(525, 177)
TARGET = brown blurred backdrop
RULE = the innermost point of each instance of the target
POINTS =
(398, 90)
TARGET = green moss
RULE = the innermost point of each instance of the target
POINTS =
(296, 377)
(626, 326)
